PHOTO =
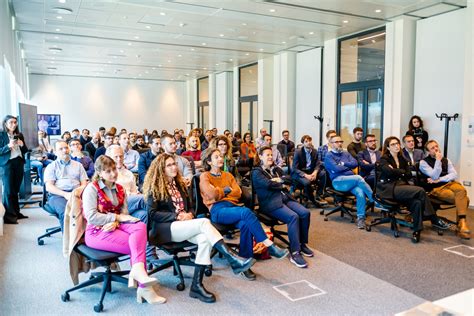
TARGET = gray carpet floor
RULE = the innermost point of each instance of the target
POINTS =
(369, 273)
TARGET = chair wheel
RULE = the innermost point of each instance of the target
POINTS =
(440, 233)
(208, 272)
(321, 212)
(40, 242)
(368, 228)
(326, 219)
(98, 307)
(65, 297)
(180, 287)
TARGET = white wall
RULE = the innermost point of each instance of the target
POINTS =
(94, 102)
(308, 94)
(439, 75)
(329, 85)
(224, 101)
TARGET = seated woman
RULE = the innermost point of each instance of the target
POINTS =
(274, 201)
(110, 228)
(247, 150)
(171, 220)
(223, 144)
(220, 192)
(392, 184)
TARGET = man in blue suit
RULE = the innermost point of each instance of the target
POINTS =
(410, 153)
(367, 159)
(305, 168)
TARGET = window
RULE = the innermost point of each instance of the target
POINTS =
(360, 84)
(248, 99)
(203, 103)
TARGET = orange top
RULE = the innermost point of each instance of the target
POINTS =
(212, 188)
(248, 150)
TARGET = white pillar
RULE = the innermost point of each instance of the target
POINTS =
(400, 43)
(191, 104)
(212, 101)
(265, 92)
(329, 85)
(235, 98)
(224, 101)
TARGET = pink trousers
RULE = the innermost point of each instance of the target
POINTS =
(128, 238)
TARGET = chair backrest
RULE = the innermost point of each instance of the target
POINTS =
(289, 160)
(200, 208)
(191, 161)
(283, 150)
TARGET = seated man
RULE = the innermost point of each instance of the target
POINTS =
(260, 141)
(133, 139)
(130, 156)
(108, 140)
(441, 184)
(290, 146)
(135, 201)
(141, 143)
(339, 165)
(169, 146)
(305, 169)
(85, 138)
(193, 146)
(147, 157)
(39, 160)
(62, 176)
(356, 145)
(323, 150)
(367, 159)
(77, 155)
(410, 153)
(277, 159)
(208, 137)
(92, 146)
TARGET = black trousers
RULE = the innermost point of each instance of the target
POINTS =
(12, 178)
(416, 200)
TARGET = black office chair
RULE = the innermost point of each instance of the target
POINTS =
(340, 199)
(52, 230)
(389, 211)
(103, 259)
(269, 220)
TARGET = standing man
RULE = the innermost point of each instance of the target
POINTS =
(357, 145)
(442, 185)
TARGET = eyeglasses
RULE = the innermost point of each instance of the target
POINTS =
(338, 142)
(372, 141)
(394, 144)
(222, 144)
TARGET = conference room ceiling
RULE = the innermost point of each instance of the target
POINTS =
(180, 40)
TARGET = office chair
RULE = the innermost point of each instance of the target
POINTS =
(268, 220)
(389, 210)
(191, 161)
(52, 230)
(340, 201)
(103, 259)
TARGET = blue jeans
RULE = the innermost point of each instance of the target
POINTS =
(244, 219)
(297, 218)
(357, 186)
(137, 208)
(58, 206)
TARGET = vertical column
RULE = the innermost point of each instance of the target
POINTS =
(265, 91)
(191, 104)
(212, 100)
(400, 46)
(224, 95)
(330, 85)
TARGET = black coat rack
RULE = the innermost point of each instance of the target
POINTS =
(446, 128)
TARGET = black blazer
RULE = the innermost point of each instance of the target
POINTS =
(5, 150)
(160, 216)
(388, 175)
(269, 192)
(299, 162)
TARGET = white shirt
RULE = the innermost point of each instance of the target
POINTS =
(127, 180)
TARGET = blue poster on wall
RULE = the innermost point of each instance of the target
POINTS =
(49, 123)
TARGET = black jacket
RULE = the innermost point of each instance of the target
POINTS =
(5, 151)
(271, 195)
(388, 175)
(160, 216)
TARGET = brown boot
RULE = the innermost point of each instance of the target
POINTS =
(464, 231)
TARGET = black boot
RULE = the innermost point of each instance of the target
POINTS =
(237, 263)
(197, 288)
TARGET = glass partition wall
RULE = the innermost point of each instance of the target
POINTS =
(248, 99)
(360, 84)
(203, 103)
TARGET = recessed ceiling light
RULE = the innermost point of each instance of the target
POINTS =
(247, 54)
(345, 21)
(146, 71)
(139, 75)
(136, 37)
(244, 24)
(129, 44)
(193, 49)
(204, 68)
(283, 42)
(169, 60)
(59, 17)
(58, 30)
(261, 49)
(272, 10)
(221, 35)
(56, 37)
(148, 26)
(311, 33)
(203, 44)
(124, 17)
(182, 24)
(52, 62)
(180, 55)
(62, 1)
(196, 71)
(154, 68)
(122, 51)
(217, 64)
(187, 74)
(162, 13)
(109, 62)
(231, 59)
(160, 65)
(378, 11)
